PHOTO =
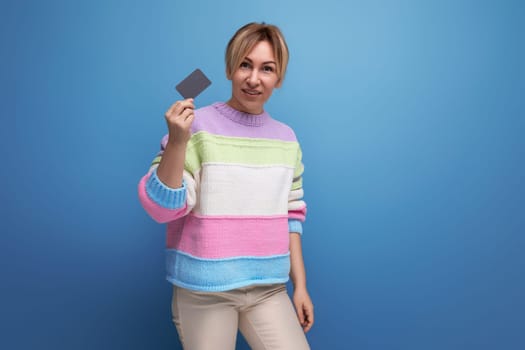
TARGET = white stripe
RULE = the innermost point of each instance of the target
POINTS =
(296, 194)
(296, 205)
(153, 167)
(191, 185)
(227, 189)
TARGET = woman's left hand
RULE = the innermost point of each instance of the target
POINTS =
(304, 307)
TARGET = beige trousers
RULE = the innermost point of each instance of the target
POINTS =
(264, 315)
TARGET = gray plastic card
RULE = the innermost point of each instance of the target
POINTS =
(193, 84)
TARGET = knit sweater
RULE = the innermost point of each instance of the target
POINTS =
(228, 225)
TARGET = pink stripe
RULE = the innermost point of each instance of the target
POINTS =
(157, 213)
(214, 238)
(298, 214)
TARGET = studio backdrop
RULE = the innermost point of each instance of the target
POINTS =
(411, 119)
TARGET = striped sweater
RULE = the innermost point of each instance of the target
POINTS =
(228, 225)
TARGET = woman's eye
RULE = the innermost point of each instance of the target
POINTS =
(245, 65)
(268, 69)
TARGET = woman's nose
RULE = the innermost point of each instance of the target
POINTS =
(253, 78)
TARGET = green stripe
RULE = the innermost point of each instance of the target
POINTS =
(299, 169)
(297, 184)
(204, 148)
(156, 160)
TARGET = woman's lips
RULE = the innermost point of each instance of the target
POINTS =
(251, 92)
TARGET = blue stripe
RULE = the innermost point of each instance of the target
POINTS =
(166, 197)
(217, 275)
(295, 226)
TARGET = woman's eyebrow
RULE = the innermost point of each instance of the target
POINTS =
(267, 62)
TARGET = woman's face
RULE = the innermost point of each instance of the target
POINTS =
(254, 80)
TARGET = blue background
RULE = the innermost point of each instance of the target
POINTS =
(411, 118)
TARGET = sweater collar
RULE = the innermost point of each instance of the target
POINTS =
(239, 117)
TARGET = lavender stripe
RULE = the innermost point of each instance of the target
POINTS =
(221, 119)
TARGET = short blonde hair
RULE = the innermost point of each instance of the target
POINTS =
(245, 39)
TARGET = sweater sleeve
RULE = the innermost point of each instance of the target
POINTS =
(296, 205)
(162, 203)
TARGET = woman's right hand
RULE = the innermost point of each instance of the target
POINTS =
(179, 118)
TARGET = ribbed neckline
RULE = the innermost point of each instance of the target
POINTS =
(241, 117)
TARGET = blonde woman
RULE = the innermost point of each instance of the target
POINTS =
(228, 183)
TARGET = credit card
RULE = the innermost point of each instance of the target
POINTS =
(193, 84)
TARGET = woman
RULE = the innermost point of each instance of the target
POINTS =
(228, 182)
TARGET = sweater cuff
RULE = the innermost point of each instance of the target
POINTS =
(295, 226)
(167, 197)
